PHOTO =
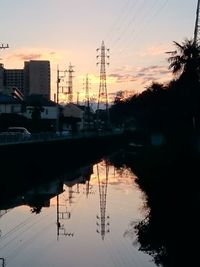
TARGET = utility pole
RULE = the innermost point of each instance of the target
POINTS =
(77, 99)
(103, 96)
(196, 43)
(3, 262)
(197, 24)
(87, 104)
(3, 46)
(87, 94)
(70, 83)
(61, 74)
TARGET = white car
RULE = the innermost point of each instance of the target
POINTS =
(19, 131)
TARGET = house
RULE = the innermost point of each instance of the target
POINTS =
(39, 108)
(11, 112)
(88, 117)
(9, 104)
(73, 117)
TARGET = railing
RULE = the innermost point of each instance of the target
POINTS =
(49, 136)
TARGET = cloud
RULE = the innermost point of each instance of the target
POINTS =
(153, 51)
(16, 58)
(25, 57)
(142, 75)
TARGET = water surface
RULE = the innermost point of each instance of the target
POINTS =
(84, 222)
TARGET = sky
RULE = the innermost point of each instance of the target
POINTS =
(138, 33)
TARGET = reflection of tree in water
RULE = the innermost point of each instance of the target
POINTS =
(170, 231)
(37, 204)
(36, 210)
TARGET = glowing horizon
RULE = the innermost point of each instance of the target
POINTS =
(137, 33)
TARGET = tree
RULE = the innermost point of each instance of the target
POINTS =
(185, 63)
(185, 59)
(36, 117)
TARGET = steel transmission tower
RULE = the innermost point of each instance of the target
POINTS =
(103, 223)
(103, 95)
(70, 83)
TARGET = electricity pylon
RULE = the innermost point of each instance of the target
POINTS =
(103, 95)
(103, 223)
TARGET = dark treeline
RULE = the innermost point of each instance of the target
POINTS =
(170, 230)
(172, 109)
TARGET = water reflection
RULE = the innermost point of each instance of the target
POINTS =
(58, 223)
(170, 230)
(103, 219)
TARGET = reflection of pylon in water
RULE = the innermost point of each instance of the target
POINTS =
(103, 223)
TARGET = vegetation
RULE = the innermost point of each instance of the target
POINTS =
(171, 109)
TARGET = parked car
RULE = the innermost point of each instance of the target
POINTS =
(19, 131)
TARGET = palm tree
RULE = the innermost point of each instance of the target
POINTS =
(185, 65)
(185, 59)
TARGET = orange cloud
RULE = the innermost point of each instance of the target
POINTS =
(16, 58)
(142, 75)
(153, 51)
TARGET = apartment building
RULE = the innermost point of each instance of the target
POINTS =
(34, 78)
(37, 78)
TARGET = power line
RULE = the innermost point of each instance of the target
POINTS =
(127, 22)
(145, 22)
(120, 19)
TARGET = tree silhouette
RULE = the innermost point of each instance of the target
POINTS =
(185, 64)
(36, 117)
(185, 59)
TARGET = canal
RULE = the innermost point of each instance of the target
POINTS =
(82, 220)
(119, 212)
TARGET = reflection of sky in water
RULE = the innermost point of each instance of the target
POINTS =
(31, 240)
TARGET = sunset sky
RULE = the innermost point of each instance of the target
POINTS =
(138, 33)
